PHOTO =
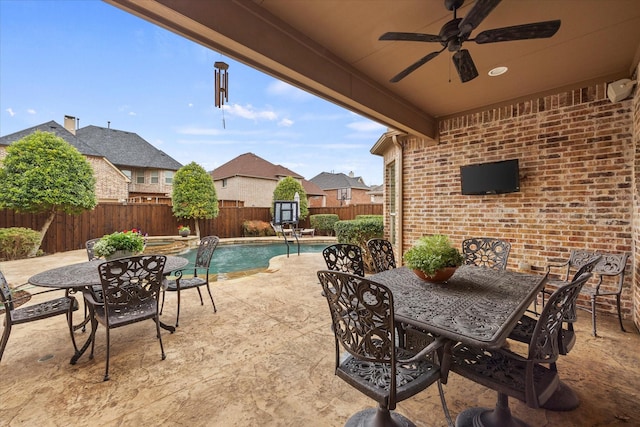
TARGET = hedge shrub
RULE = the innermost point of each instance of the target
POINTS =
(324, 223)
(17, 242)
(358, 232)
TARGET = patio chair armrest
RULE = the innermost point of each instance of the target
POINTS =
(90, 298)
(435, 345)
(551, 265)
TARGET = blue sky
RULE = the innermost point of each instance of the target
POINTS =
(93, 61)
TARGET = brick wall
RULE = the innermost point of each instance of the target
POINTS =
(577, 157)
(636, 208)
(358, 197)
(111, 185)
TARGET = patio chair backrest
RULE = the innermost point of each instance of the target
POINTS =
(206, 247)
(344, 257)
(486, 252)
(544, 345)
(89, 244)
(381, 251)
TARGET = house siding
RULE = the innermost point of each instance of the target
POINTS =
(111, 184)
(579, 160)
(254, 192)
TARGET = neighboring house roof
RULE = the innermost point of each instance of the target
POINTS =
(126, 148)
(250, 165)
(56, 129)
(312, 189)
(333, 181)
(376, 190)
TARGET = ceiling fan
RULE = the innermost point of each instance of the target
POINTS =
(457, 31)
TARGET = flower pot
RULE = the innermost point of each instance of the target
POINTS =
(439, 276)
(119, 254)
(184, 233)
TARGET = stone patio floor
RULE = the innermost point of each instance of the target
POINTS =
(264, 359)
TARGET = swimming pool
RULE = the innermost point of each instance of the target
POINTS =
(250, 256)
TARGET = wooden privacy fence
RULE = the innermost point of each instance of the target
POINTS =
(70, 232)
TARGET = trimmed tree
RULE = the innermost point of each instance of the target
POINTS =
(286, 190)
(194, 195)
(42, 173)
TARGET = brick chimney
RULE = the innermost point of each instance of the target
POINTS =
(70, 124)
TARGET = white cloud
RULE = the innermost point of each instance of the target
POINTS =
(249, 112)
(132, 113)
(31, 111)
(10, 111)
(286, 122)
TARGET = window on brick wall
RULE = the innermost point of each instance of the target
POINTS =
(154, 177)
(140, 177)
(224, 183)
(126, 172)
(168, 177)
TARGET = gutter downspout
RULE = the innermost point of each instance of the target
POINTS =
(399, 197)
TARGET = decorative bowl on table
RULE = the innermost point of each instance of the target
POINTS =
(439, 276)
(433, 258)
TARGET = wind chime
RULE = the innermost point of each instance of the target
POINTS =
(222, 85)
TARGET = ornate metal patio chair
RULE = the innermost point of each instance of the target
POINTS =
(568, 268)
(528, 379)
(206, 247)
(344, 257)
(130, 291)
(381, 251)
(567, 336)
(486, 252)
(611, 266)
(32, 312)
(363, 324)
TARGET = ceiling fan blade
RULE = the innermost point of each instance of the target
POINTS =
(465, 66)
(476, 15)
(536, 30)
(411, 37)
(410, 69)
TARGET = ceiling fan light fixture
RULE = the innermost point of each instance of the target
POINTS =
(498, 71)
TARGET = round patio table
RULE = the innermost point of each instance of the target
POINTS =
(76, 277)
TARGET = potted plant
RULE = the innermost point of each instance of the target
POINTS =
(184, 230)
(433, 258)
(120, 244)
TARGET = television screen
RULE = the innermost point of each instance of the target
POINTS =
(490, 178)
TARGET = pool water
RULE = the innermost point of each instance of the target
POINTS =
(234, 258)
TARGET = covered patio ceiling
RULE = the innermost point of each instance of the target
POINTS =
(331, 48)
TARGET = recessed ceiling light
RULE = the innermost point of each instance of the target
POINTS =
(498, 71)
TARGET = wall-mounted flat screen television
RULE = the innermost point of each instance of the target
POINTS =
(490, 178)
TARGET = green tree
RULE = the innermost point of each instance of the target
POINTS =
(286, 190)
(42, 173)
(194, 195)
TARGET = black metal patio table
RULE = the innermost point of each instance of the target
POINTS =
(76, 277)
(477, 306)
